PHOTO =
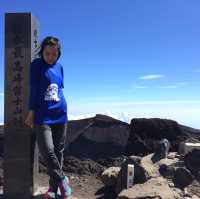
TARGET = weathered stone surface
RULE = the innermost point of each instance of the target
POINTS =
(156, 188)
(182, 177)
(168, 165)
(187, 147)
(135, 159)
(192, 162)
(146, 133)
(145, 169)
(97, 137)
(20, 159)
(109, 176)
(149, 167)
(194, 188)
(162, 150)
(140, 175)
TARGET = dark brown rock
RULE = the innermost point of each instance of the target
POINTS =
(145, 134)
(192, 162)
(182, 177)
(97, 137)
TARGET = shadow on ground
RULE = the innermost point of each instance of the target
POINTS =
(105, 193)
(102, 193)
(41, 196)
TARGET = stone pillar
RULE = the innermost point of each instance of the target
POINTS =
(20, 152)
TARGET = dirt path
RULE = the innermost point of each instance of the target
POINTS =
(84, 187)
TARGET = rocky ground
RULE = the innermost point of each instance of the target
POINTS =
(84, 178)
(83, 186)
(96, 144)
(165, 179)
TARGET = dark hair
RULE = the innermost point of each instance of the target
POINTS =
(50, 41)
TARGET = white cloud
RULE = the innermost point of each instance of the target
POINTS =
(153, 76)
(183, 111)
(80, 116)
(176, 85)
(167, 102)
(120, 116)
(172, 86)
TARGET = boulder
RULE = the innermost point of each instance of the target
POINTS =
(140, 175)
(182, 177)
(145, 134)
(162, 150)
(192, 162)
(149, 167)
(97, 137)
(182, 145)
(145, 169)
(154, 188)
(167, 166)
(109, 176)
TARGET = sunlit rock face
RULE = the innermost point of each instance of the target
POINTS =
(97, 137)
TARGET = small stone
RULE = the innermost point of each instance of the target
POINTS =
(110, 175)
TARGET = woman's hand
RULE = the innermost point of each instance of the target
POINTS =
(30, 119)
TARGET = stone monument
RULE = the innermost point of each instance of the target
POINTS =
(20, 149)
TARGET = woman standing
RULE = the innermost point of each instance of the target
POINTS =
(48, 113)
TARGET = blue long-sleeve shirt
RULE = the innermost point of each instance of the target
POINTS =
(46, 96)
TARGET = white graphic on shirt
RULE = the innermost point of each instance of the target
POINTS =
(51, 93)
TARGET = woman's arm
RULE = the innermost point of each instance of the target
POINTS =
(33, 81)
(29, 121)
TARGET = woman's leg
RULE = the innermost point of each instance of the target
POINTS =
(47, 149)
(59, 137)
(59, 132)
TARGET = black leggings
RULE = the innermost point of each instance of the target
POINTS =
(51, 139)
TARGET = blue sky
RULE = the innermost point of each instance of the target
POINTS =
(138, 58)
